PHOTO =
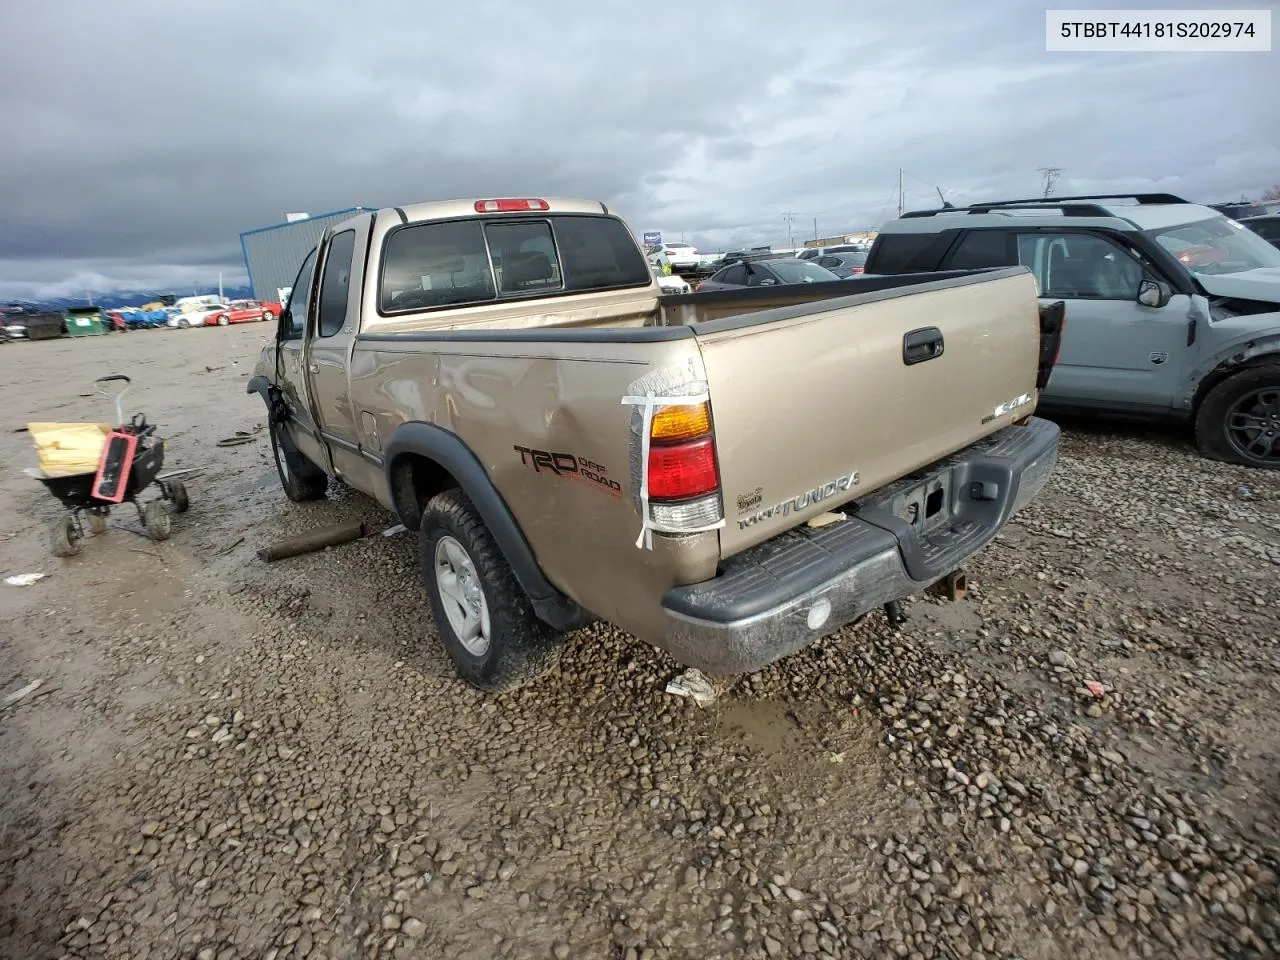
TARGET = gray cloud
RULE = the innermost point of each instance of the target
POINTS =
(163, 132)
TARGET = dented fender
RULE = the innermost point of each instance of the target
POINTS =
(1243, 351)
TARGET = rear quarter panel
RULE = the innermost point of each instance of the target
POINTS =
(561, 403)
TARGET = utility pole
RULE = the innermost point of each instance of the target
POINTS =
(1050, 175)
(902, 197)
(815, 229)
(790, 219)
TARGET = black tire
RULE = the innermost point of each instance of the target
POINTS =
(66, 537)
(157, 519)
(300, 479)
(183, 324)
(519, 646)
(1239, 419)
(176, 492)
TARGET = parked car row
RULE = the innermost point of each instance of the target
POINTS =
(22, 322)
(222, 314)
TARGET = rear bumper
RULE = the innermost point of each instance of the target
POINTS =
(785, 593)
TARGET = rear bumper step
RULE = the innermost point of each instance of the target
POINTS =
(787, 592)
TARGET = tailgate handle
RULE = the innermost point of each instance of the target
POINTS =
(921, 345)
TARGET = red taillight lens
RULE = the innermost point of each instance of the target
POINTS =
(511, 205)
(683, 470)
(855, 270)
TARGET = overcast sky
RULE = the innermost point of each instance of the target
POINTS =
(138, 138)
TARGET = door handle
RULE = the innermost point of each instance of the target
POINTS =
(313, 367)
(921, 345)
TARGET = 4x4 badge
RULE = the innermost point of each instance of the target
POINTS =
(1158, 357)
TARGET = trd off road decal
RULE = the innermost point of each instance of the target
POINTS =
(570, 466)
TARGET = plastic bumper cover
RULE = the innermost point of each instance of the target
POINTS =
(783, 594)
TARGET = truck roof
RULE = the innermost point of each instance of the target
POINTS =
(450, 209)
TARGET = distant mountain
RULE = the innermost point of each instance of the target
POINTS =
(133, 298)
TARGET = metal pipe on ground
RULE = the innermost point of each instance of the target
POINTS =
(312, 541)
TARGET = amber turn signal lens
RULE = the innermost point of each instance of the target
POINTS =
(680, 423)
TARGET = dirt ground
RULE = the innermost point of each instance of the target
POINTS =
(230, 759)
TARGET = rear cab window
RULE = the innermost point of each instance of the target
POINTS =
(452, 263)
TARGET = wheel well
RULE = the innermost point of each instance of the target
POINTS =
(415, 479)
(1226, 371)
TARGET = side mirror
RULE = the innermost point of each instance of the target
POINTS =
(1154, 293)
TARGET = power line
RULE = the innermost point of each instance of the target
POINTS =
(1050, 175)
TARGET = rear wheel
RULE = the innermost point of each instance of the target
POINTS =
(183, 324)
(1239, 419)
(482, 614)
(66, 537)
(175, 492)
(223, 321)
(156, 518)
(301, 479)
(266, 315)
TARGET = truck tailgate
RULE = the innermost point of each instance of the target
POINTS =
(814, 408)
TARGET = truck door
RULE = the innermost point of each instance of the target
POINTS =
(337, 321)
(1117, 353)
(290, 339)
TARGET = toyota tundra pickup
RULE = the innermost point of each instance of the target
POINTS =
(728, 476)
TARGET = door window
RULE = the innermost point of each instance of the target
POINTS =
(336, 283)
(736, 274)
(296, 309)
(1080, 266)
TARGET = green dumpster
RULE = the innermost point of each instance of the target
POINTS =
(87, 322)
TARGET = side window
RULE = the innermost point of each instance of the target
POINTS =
(336, 283)
(296, 309)
(828, 262)
(757, 275)
(1080, 266)
(904, 253)
(1268, 229)
(735, 274)
(984, 248)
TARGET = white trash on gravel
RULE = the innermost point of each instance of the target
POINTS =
(24, 579)
(693, 684)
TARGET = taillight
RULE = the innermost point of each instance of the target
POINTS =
(682, 470)
(683, 491)
(510, 206)
(855, 270)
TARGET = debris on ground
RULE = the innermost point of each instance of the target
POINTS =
(21, 694)
(24, 579)
(693, 684)
(312, 541)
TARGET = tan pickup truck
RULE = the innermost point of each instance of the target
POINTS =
(728, 476)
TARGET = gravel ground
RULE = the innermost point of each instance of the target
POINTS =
(229, 759)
